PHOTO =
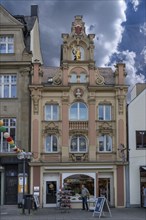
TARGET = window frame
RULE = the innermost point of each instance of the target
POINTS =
(10, 125)
(52, 111)
(7, 43)
(78, 143)
(8, 85)
(104, 145)
(140, 136)
(102, 107)
(79, 113)
(52, 136)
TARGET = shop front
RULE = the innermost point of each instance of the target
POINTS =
(99, 183)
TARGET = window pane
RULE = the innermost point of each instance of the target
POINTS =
(10, 48)
(108, 112)
(83, 78)
(6, 91)
(54, 143)
(101, 143)
(108, 143)
(141, 139)
(2, 48)
(48, 144)
(73, 78)
(100, 112)
(83, 111)
(74, 144)
(74, 112)
(13, 91)
(82, 144)
(55, 112)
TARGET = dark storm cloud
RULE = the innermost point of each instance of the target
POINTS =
(106, 19)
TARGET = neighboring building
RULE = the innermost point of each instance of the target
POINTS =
(78, 124)
(137, 144)
(18, 49)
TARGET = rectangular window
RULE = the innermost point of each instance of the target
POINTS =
(52, 112)
(141, 139)
(83, 78)
(8, 86)
(104, 112)
(73, 78)
(105, 143)
(6, 44)
(10, 125)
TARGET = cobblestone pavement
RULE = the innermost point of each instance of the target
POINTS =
(13, 213)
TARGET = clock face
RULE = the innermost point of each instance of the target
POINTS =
(78, 29)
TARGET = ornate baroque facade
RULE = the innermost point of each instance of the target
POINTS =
(78, 124)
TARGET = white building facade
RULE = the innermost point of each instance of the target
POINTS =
(137, 144)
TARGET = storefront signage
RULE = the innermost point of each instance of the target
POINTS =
(101, 206)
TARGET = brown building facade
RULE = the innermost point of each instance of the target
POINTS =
(78, 124)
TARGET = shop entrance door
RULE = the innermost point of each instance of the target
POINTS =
(106, 189)
(11, 185)
(50, 191)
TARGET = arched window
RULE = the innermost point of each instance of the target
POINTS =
(78, 144)
(78, 111)
(105, 143)
(51, 144)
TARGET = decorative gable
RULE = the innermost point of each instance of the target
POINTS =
(7, 19)
(77, 46)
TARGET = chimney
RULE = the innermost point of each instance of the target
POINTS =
(34, 10)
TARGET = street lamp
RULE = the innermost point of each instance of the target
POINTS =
(23, 156)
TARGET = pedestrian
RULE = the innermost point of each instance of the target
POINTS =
(85, 195)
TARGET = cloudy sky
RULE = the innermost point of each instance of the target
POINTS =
(119, 26)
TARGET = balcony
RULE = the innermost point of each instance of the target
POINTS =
(78, 126)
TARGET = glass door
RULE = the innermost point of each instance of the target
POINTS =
(50, 193)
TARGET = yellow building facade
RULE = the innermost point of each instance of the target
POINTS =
(78, 124)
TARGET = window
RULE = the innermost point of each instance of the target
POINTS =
(78, 144)
(104, 112)
(83, 78)
(51, 144)
(51, 112)
(6, 44)
(78, 111)
(8, 86)
(10, 125)
(141, 139)
(73, 78)
(78, 78)
(74, 183)
(105, 143)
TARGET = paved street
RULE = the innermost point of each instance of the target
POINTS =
(13, 213)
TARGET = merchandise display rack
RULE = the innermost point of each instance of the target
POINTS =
(63, 200)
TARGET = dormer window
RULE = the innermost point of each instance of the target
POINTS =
(78, 78)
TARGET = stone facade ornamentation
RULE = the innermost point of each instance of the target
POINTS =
(51, 128)
(99, 79)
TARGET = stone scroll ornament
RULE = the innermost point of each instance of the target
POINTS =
(8, 138)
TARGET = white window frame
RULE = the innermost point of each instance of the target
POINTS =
(102, 107)
(5, 40)
(78, 137)
(78, 111)
(52, 136)
(8, 81)
(104, 146)
(50, 116)
(9, 123)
